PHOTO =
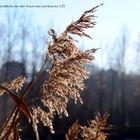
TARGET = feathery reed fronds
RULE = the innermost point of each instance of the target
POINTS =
(94, 131)
(16, 84)
(84, 22)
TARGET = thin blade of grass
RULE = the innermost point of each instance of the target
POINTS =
(21, 104)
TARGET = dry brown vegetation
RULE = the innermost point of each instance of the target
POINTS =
(66, 78)
(94, 131)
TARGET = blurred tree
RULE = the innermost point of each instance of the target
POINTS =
(24, 34)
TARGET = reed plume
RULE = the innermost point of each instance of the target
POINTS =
(96, 129)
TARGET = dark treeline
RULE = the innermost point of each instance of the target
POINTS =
(112, 90)
(21, 41)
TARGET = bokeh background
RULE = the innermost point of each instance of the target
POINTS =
(114, 81)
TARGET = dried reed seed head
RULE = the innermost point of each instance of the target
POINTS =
(96, 128)
(66, 77)
(94, 131)
(65, 81)
(16, 84)
(67, 73)
(56, 105)
(73, 132)
(62, 48)
(84, 22)
(40, 115)
(89, 133)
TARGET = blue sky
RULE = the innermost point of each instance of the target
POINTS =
(112, 17)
